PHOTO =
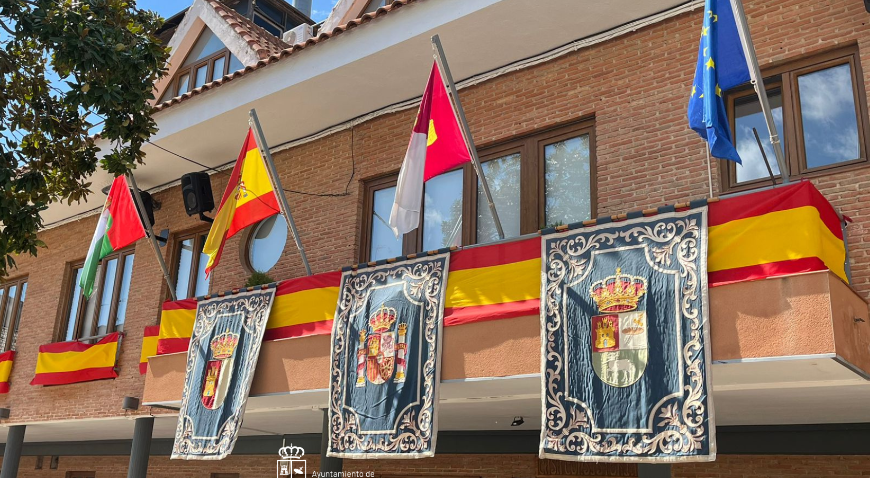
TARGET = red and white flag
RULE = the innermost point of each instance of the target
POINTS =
(436, 146)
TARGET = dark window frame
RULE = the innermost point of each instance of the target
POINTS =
(198, 235)
(532, 185)
(18, 282)
(66, 303)
(785, 77)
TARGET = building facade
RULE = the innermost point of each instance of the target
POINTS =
(577, 111)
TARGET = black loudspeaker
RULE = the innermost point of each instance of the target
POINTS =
(149, 206)
(196, 189)
(867, 5)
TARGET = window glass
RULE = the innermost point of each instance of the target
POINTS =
(503, 176)
(75, 295)
(374, 5)
(108, 291)
(384, 244)
(748, 115)
(201, 280)
(7, 314)
(567, 181)
(271, 12)
(124, 293)
(267, 243)
(218, 69)
(206, 45)
(263, 22)
(442, 211)
(185, 261)
(18, 315)
(200, 75)
(828, 114)
(183, 84)
(235, 64)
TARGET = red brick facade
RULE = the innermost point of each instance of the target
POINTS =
(635, 86)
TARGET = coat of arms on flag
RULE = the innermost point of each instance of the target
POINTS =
(625, 354)
(221, 361)
(385, 372)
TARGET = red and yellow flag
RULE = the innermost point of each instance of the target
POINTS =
(149, 347)
(6, 359)
(436, 146)
(248, 199)
(71, 362)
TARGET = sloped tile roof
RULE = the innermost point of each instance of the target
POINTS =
(261, 41)
(277, 49)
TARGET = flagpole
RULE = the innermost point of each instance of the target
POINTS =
(140, 206)
(254, 121)
(709, 168)
(466, 131)
(758, 83)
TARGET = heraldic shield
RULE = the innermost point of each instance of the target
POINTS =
(624, 337)
(221, 360)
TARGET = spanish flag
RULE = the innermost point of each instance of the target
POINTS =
(6, 359)
(71, 362)
(436, 146)
(248, 199)
(149, 347)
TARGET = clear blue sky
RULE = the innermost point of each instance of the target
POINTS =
(166, 8)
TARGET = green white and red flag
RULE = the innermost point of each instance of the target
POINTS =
(119, 226)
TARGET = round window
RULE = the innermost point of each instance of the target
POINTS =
(267, 243)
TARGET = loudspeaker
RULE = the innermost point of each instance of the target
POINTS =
(149, 206)
(867, 5)
(196, 189)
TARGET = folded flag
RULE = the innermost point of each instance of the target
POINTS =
(71, 362)
(118, 227)
(149, 347)
(436, 146)
(248, 199)
(721, 66)
(6, 359)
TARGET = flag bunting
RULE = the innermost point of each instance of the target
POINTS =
(71, 362)
(6, 359)
(149, 347)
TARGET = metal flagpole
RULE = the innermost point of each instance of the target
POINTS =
(140, 205)
(758, 83)
(466, 131)
(254, 121)
(709, 168)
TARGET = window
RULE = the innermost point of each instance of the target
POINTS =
(375, 4)
(106, 310)
(12, 294)
(189, 266)
(820, 112)
(207, 61)
(536, 181)
(266, 243)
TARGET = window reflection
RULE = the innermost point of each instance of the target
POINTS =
(18, 316)
(442, 211)
(7, 314)
(185, 259)
(202, 281)
(748, 115)
(384, 243)
(503, 176)
(267, 243)
(108, 292)
(567, 181)
(830, 123)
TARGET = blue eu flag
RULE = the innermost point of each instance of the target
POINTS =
(721, 66)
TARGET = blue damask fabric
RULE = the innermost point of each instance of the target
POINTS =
(625, 342)
(385, 370)
(221, 360)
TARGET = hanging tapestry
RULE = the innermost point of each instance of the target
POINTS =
(221, 361)
(386, 354)
(625, 342)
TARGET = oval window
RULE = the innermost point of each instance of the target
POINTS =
(267, 243)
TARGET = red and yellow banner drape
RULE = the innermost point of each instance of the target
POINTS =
(149, 347)
(71, 362)
(6, 359)
(782, 231)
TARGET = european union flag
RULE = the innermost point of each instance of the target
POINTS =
(721, 66)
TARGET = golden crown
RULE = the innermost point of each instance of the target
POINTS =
(384, 319)
(223, 345)
(619, 292)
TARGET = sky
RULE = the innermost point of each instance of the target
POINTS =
(166, 8)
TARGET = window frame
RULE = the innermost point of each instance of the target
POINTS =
(530, 146)
(191, 70)
(785, 78)
(198, 235)
(18, 282)
(67, 301)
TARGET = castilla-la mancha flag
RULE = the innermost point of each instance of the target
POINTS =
(248, 199)
(436, 146)
(118, 227)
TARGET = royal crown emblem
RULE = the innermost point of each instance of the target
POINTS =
(383, 320)
(291, 452)
(619, 292)
(291, 462)
(224, 345)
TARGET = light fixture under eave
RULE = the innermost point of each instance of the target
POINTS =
(517, 421)
(130, 404)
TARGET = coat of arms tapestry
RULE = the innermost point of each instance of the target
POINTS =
(386, 354)
(221, 361)
(625, 363)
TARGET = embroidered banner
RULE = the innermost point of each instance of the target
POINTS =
(221, 361)
(385, 364)
(625, 354)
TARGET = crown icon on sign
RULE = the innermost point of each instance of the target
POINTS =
(223, 345)
(619, 292)
(291, 452)
(384, 319)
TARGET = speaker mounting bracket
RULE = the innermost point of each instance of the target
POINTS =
(203, 217)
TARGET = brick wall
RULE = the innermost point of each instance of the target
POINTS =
(636, 86)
